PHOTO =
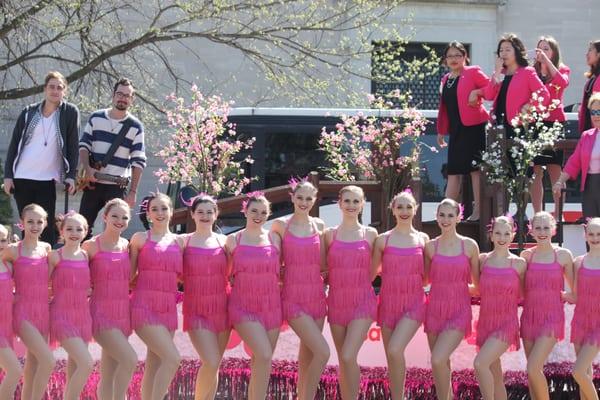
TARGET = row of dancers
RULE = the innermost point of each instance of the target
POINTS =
(238, 281)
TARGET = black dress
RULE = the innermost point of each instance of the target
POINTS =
(500, 109)
(587, 93)
(465, 143)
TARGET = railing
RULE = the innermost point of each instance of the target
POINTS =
(327, 190)
(493, 197)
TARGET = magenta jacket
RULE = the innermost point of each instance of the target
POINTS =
(583, 107)
(524, 83)
(579, 162)
(471, 78)
(556, 87)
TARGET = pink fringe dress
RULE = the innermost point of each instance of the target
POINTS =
(69, 309)
(6, 305)
(154, 298)
(498, 312)
(449, 302)
(402, 294)
(585, 326)
(255, 295)
(109, 303)
(303, 288)
(543, 310)
(32, 296)
(351, 294)
(205, 288)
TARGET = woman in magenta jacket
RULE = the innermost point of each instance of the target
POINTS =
(513, 83)
(591, 86)
(585, 160)
(462, 117)
(555, 76)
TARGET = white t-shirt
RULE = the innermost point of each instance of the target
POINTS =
(40, 158)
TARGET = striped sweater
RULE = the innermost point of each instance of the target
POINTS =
(101, 131)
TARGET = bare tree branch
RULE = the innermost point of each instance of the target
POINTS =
(301, 47)
(22, 18)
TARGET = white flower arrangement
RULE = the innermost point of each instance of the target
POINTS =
(513, 167)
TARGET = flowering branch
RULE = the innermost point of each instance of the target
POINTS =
(369, 147)
(205, 148)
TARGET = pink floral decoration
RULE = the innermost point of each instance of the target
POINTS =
(250, 196)
(294, 182)
(234, 375)
(191, 201)
(204, 147)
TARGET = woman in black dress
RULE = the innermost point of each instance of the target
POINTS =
(462, 117)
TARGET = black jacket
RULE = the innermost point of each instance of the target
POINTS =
(69, 129)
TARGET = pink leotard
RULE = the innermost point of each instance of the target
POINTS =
(6, 305)
(402, 294)
(543, 310)
(255, 294)
(154, 299)
(449, 302)
(69, 309)
(498, 312)
(205, 288)
(585, 326)
(109, 302)
(303, 288)
(31, 292)
(351, 294)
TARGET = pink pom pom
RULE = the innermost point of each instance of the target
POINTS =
(251, 196)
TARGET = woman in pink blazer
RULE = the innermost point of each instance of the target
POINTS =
(585, 160)
(462, 117)
(555, 76)
(591, 86)
(513, 83)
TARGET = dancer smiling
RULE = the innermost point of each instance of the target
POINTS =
(585, 326)
(451, 262)
(70, 319)
(255, 301)
(543, 317)
(399, 255)
(156, 262)
(352, 303)
(303, 295)
(205, 272)
(109, 303)
(31, 318)
(500, 284)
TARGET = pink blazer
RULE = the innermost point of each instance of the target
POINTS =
(471, 78)
(583, 107)
(579, 162)
(556, 87)
(524, 83)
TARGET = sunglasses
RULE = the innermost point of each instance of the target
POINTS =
(595, 113)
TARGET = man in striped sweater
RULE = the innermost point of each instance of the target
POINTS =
(128, 161)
